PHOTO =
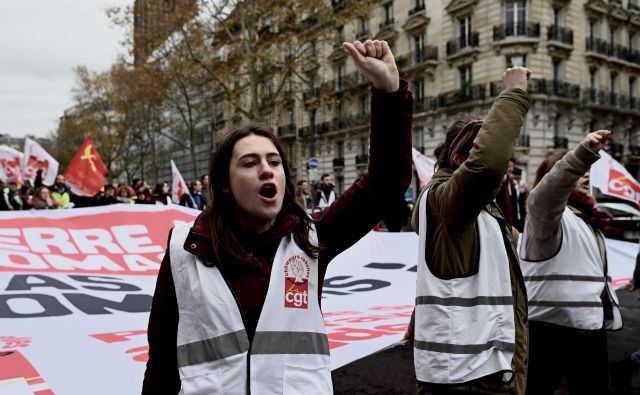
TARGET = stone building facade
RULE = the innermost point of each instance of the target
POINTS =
(585, 58)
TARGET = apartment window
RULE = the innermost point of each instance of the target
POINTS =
(613, 36)
(594, 29)
(419, 4)
(340, 73)
(558, 70)
(418, 137)
(418, 89)
(340, 149)
(364, 104)
(363, 146)
(613, 82)
(340, 110)
(632, 87)
(418, 46)
(289, 117)
(516, 60)
(593, 78)
(516, 17)
(557, 16)
(364, 26)
(268, 119)
(340, 34)
(388, 13)
(465, 31)
(632, 41)
(464, 76)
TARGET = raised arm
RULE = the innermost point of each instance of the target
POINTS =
(477, 180)
(388, 174)
(548, 199)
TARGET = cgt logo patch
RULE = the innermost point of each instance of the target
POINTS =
(296, 284)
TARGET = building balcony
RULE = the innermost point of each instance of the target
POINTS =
(462, 96)
(560, 34)
(387, 23)
(305, 131)
(560, 142)
(597, 47)
(632, 5)
(423, 104)
(287, 130)
(419, 59)
(362, 159)
(363, 34)
(341, 122)
(555, 88)
(523, 141)
(416, 9)
(338, 163)
(522, 32)
(311, 94)
(463, 45)
(323, 127)
(610, 101)
(362, 118)
(339, 5)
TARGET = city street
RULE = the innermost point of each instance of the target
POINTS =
(391, 371)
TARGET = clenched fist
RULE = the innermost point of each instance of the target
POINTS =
(516, 77)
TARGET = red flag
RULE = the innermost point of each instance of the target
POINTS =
(85, 173)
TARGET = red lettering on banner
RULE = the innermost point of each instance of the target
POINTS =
(127, 242)
(143, 355)
(334, 344)
(12, 342)
(399, 328)
(14, 365)
(340, 335)
(115, 337)
(401, 307)
(141, 352)
(350, 334)
(620, 185)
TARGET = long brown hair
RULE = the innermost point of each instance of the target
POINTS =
(551, 159)
(221, 214)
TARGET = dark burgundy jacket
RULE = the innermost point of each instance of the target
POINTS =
(342, 224)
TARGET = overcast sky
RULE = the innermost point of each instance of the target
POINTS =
(41, 41)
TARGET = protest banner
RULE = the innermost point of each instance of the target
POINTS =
(613, 179)
(37, 158)
(76, 289)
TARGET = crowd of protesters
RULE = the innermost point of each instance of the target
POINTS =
(38, 196)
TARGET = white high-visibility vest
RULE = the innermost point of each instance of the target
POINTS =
(566, 288)
(324, 203)
(465, 327)
(290, 350)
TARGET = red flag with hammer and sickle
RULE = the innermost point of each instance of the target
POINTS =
(85, 173)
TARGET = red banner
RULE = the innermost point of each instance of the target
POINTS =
(85, 174)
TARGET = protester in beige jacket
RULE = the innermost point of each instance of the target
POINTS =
(563, 258)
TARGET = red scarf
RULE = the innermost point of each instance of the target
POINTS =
(588, 211)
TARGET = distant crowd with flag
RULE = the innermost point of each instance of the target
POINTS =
(30, 180)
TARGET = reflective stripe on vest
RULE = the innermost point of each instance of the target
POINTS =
(565, 289)
(465, 327)
(213, 347)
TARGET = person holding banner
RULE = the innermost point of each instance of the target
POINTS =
(470, 321)
(564, 261)
(237, 302)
